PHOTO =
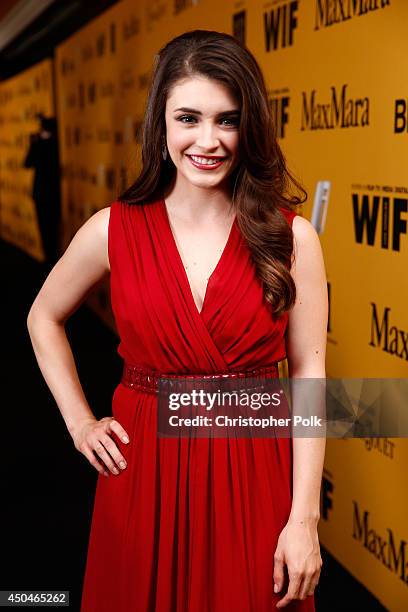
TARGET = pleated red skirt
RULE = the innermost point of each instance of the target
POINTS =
(192, 524)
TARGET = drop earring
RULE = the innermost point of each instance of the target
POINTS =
(164, 151)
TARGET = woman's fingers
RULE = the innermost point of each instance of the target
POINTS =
(93, 461)
(311, 581)
(295, 579)
(101, 451)
(301, 585)
(314, 582)
(306, 587)
(116, 427)
(278, 571)
(95, 442)
(114, 452)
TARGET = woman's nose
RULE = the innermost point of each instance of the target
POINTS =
(207, 137)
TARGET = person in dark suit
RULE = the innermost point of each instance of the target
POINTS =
(43, 156)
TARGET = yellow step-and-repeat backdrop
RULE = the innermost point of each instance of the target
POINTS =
(341, 112)
(21, 98)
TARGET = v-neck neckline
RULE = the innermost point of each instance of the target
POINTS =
(181, 264)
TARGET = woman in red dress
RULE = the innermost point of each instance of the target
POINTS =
(212, 273)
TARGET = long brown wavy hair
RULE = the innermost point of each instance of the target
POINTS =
(260, 184)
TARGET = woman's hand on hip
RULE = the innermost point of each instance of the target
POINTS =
(93, 439)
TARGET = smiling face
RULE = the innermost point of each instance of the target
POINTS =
(202, 131)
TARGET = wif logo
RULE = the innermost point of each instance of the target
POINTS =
(279, 26)
(326, 495)
(239, 26)
(374, 211)
(280, 113)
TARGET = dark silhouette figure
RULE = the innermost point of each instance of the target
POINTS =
(43, 156)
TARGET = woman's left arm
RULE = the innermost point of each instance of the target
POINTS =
(306, 336)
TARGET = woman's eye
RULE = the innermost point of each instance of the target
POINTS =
(185, 117)
(230, 122)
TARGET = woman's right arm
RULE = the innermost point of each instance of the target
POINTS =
(82, 266)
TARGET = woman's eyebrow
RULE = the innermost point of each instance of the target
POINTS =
(184, 109)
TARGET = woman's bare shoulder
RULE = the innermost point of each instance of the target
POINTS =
(304, 234)
(84, 263)
(101, 219)
(97, 228)
(308, 254)
(89, 245)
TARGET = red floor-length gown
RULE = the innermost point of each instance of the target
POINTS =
(192, 524)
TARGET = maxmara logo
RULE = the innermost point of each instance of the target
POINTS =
(385, 547)
(390, 338)
(383, 212)
(339, 110)
(330, 12)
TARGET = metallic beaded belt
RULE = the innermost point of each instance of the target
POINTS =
(139, 377)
